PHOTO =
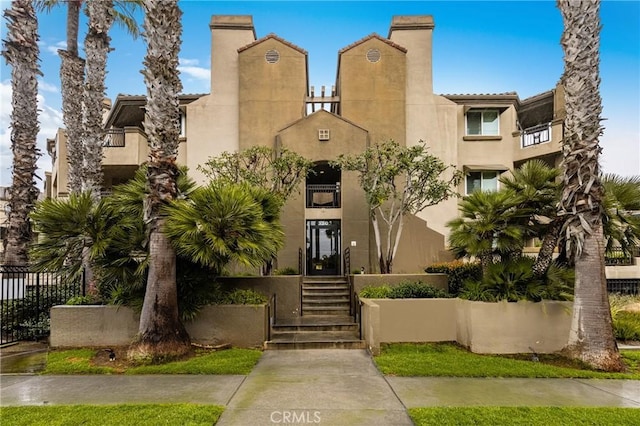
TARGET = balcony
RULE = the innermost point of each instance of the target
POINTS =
(536, 135)
(125, 147)
(323, 196)
(543, 140)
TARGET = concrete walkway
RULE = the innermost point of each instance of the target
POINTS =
(337, 387)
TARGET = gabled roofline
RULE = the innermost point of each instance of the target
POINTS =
(369, 37)
(274, 37)
(306, 117)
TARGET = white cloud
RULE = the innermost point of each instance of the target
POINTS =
(47, 87)
(52, 48)
(50, 120)
(189, 62)
(198, 73)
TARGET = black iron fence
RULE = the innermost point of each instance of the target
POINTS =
(26, 298)
(616, 256)
(624, 286)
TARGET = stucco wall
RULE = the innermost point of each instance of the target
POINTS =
(361, 281)
(287, 287)
(78, 326)
(498, 328)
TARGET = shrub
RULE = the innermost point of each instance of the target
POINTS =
(241, 297)
(416, 290)
(373, 292)
(84, 300)
(285, 271)
(457, 273)
(405, 290)
(626, 325)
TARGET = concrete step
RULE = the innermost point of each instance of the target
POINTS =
(315, 340)
(284, 328)
(326, 310)
(331, 301)
(328, 293)
(325, 287)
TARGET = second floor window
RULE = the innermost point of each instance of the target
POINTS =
(483, 122)
(481, 181)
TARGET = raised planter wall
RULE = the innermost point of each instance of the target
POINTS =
(408, 320)
(361, 281)
(493, 328)
(287, 288)
(78, 326)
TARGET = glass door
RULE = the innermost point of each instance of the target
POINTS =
(323, 247)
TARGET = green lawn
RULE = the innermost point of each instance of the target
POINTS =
(230, 361)
(447, 359)
(524, 416)
(99, 415)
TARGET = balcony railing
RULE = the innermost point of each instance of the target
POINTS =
(617, 257)
(323, 196)
(536, 135)
(114, 138)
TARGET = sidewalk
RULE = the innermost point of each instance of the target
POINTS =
(337, 387)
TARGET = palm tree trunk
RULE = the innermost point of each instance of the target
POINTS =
(96, 47)
(72, 80)
(591, 338)
(161, 334)
(549, 244)
(21, 52)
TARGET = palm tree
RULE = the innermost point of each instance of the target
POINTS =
(161, 334)
(85, 171)
(536, 186)
(621, 221)
(591, 337)
(489, 226)
(223, 223)
(21, 51)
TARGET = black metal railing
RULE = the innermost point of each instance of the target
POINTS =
(536, 135)
(26, 298)
(624, 286)
(358, 314)
(114, 137)
(347, 261)
(271, 312)
(300, 261)
(616, 256)
(323, 196)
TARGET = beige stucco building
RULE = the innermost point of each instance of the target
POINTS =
(260, 95)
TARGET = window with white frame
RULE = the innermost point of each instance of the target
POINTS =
(484, 122)
(486, 180)
(183, 124)
(323, 134)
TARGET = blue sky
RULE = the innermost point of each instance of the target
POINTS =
(478, 47)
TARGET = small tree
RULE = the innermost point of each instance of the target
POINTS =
(398, 181)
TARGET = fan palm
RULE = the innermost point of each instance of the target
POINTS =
(224, 223)
(489, 226)
(591, 337)
(21, 52)
(161, 334)
(621, 220)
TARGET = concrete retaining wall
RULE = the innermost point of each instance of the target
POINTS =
(78, 326)
(482, 327)
(287, 287)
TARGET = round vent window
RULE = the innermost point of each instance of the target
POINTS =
(272, 56)
(373, 55)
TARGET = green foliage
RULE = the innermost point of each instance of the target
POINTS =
(399, 180)
(119, 414)
(279, 173)
(405, 290)
(84, 300)
(223, 223)
(375, 292)
(451, 360)
(621, 198)
(626, 326)
(489, 226)
(514, 280)
(286, 271)
(524, 416)
(240, 297)
(457, 273)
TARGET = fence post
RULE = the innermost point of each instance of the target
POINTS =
(84, 282)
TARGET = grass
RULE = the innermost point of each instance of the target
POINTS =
(98, 415)
(450, 360)
(524, 416)
(230, 361)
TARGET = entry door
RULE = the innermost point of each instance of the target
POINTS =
(323, 247)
